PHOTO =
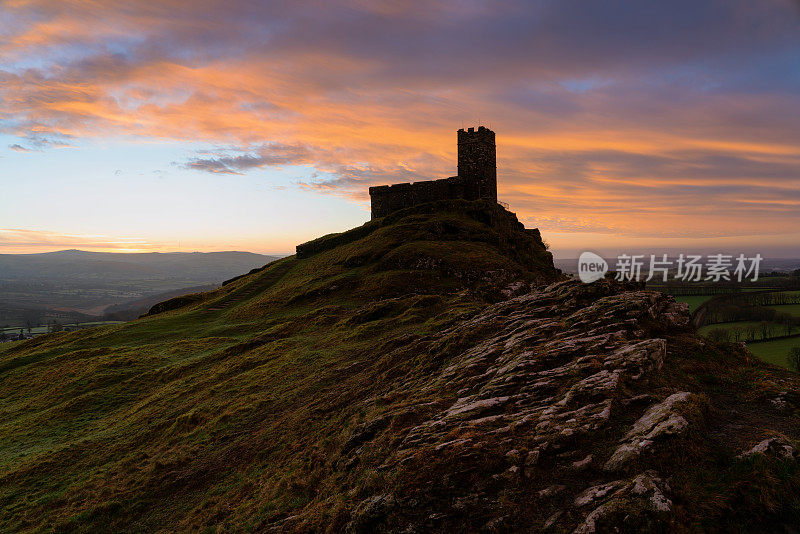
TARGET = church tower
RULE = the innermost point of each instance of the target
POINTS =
(477, 163)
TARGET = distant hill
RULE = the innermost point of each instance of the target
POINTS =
(430, 371)
(110, 266)
(76, 284)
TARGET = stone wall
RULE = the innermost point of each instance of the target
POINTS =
(387, 199)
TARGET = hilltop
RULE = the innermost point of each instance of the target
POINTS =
(428, 371)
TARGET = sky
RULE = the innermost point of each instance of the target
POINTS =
(252, 125)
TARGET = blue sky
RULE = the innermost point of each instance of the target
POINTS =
(99, 191)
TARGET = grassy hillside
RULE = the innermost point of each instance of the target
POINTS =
(424, 372)
(226, 408)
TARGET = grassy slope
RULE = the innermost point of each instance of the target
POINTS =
(775, 352)
(227, 408)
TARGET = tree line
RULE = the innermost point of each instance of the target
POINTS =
(748, 307)
(757, 332)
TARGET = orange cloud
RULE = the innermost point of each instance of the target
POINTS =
(15, 240)
(363, 103)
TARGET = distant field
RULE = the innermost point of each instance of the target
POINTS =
(43, 329)
(774, 352)
(791, 309)
(744, 324)
(778, 329)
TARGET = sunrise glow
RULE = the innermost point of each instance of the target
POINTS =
(162, 126)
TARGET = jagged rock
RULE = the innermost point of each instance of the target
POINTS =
(580, 465)
(535, 386)
(594, 493)
(552, 519)
(464, 406)
(513, 456)
(365, 432)
(658, 422)
(370, 513)
(638, 504)
(646, 485)
(498, 524)
(779, 401)
(776, 447)
(531, 459)
(551, 491)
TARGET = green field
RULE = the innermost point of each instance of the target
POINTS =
(791, 309)
(774, 352)
(44, 329)
(778, 329)
(704, 330)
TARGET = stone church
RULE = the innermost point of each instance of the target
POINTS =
(477, 178)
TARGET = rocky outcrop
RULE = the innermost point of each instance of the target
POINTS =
(544, 371)
(545, 380)
(637, 504)
(660, 422)
(777, 447)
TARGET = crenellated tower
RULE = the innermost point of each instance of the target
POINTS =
(477, 163)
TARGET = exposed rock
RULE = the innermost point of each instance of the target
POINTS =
(550, 491)
(552, 519)
(779, 401)
(638, 504)
(527, 397)
(370, 513)
(580, 465)
(468, 405)
(659, 422)
(776, 447)
(365, 432)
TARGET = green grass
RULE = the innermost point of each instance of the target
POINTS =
(791, 309)
(197, 413)
(778, 329)
(774, 352)
(704, 330)
(44, 329)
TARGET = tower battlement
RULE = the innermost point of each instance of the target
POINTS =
(476, 179)
(477, 161)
